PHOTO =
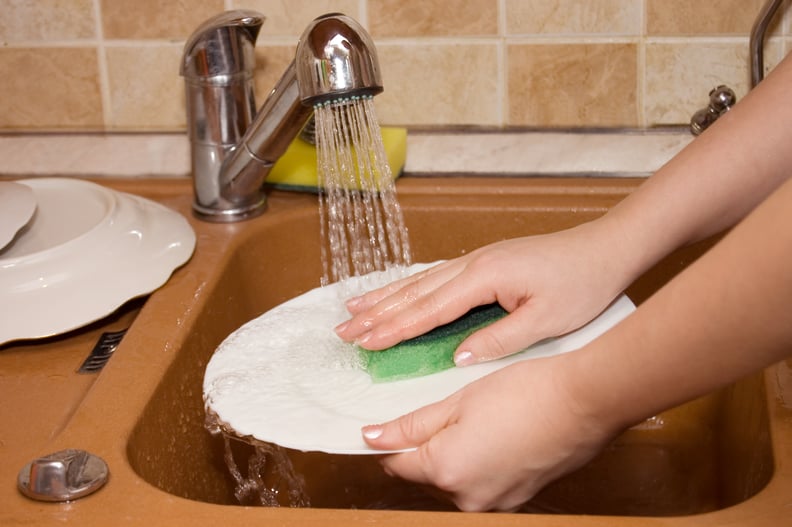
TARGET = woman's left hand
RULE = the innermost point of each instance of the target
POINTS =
(495, 443)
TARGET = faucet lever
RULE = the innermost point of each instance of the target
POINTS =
(222, 46)
(217, 65)
(721, 99)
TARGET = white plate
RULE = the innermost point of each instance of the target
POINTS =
(286, 378)
(87, 250)
(17, 205)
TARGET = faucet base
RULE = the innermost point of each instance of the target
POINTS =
(232, 214)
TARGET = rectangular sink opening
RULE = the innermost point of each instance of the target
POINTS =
(699, 457)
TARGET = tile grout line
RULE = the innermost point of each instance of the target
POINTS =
(641, 68)
(502, 86)
(363, 13)
(104, 75)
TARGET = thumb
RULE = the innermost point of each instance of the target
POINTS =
(507, 336)
(410, 430)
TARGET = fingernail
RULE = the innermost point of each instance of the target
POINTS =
(363, 339)
(464, 358)
(353, 302)
(386, 468)
(341, 327)
(372, 432)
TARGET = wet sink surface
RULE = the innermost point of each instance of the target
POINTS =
(723, 458)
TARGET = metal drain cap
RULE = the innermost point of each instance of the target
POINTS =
(63, 476)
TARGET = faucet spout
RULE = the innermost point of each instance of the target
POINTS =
(233, 146)
(336, 59)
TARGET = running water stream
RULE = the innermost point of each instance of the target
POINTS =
(362, 230)
(362, 226)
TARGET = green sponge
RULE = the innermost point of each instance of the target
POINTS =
(428, 353)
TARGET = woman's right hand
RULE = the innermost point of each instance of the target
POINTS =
(550, 285)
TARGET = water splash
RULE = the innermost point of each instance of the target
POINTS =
(270, 479)
(361, 219)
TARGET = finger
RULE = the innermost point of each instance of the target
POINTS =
(413, 429)
(511, 334)
(419, 296)
(411, 466)
(444, 304)
(368, 300)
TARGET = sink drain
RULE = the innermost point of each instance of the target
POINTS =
(63, 476)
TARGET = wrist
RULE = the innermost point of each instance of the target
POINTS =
(587, 395)
(620, 259)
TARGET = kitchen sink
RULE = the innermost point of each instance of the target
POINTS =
(723, 458)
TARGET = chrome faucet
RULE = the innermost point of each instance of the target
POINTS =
(723, 98)
(757, 39)
(233, 146)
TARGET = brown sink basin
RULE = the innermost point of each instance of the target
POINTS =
(725, 458)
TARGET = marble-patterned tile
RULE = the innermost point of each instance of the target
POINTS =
(271, 63)
(566, 62)
(570, 17)
(543, 153)
(95, 155)
(572, 84)
(424, 18)
(153, 19)
(702, 17)
(288, 18)
(46, 20)
(153, 100)
(439, 84)
(679, 77)
(51, 88)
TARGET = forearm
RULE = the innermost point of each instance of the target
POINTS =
(728, 314)
(714, 182)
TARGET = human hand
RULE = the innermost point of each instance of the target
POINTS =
(495, 443)
(550, 284)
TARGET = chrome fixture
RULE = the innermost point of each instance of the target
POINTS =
(721, 99)
(756, 42)
(63, 476)
(233, 146)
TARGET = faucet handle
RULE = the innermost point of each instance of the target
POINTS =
(721, 99)
(222, 46)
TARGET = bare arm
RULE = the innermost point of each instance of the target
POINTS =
(714, 182)
(709, 186)
(727, 315)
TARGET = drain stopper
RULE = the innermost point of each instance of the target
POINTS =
(63, 476)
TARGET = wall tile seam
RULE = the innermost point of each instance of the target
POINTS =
(265, 42)
(283, 40)
(422, 41)
(641, 114)
(363, 13)
(72, 44)
(278, 40)
(45, 44)
(438, 41)
(502, 85)
(103, 69)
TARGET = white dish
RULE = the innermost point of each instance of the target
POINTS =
(286, 378)
(87, 250)
(17, 206)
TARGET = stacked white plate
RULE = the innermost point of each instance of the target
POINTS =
(72, 252)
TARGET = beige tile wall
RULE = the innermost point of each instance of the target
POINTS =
(113, 64)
